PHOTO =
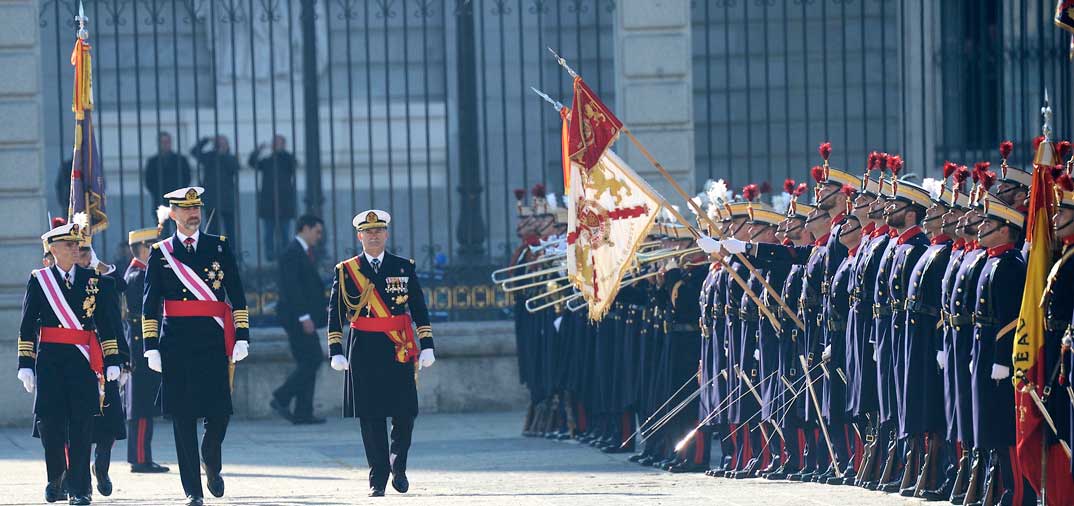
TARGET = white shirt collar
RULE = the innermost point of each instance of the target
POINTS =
(182, 237)
(305, 247)
(64, 274)
(380, 258)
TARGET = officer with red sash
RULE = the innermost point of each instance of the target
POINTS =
(371, 294)
(192, 282)
(67, 350)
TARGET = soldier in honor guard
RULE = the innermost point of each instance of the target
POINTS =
(922, 406)
(371, 294)
(1059, 304)
(995, 315)
(144, 383)
(67, 351)
(111, 425)
(195, 326)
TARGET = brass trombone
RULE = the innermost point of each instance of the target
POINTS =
(506, 286)
(508, 273)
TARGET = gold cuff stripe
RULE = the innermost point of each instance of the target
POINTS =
(26, 345)
(334, 340)
(150, 328)
(242, 325)
(425, 327)
(28, 354)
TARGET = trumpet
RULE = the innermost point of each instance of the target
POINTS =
(506, 286)
(662, 254)
(509, 273)
(553, 288)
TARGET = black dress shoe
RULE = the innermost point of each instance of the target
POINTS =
(636, 457)
(890, 487)
(194, 501)
(935, 495)
(80, 500)
(151, 467)
(617, 449)
(687, 468)
(400, 483)
(54, 491)
(376, 492)
(308, 420)
(646, 460)
(104, 483)
(280, 409)
(214, 483)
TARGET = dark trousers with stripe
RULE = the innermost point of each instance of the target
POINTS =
(140, 440)
(67, 442)
(186, 450)
(386, 457)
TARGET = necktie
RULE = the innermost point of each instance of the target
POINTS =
(376, 265)
(67, 279)
(189, 242)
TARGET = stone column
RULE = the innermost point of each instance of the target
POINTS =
(654, 89)
(22, 179)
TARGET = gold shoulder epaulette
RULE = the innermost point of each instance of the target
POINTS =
(223, 238)
(156, 245)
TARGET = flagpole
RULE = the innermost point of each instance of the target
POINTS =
(697, 209)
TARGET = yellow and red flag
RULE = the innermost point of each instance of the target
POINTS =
(1029, 353)
(593, 127)
(87, 175)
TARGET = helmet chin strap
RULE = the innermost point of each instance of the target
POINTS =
(1064, 225)
(850, 230)
(758, 234)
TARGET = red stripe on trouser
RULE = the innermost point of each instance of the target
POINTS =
(583, 424)
(699, 446)
(747, 443)
(801, 447)
(765, 456)
(141, 440)
(859, 451)
(734, 445)
(628, 421)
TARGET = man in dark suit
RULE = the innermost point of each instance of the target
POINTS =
(379, 297)
(302, 309)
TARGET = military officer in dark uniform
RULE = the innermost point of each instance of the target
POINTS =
(922, 409)
(998, 299)
(111, 425)
(1059, 304)
(144, 383)
(193, 284)
(371, 294)
(67, 351)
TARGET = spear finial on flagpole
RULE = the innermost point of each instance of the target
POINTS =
(82, 20)
(563, 63)
(550, 100)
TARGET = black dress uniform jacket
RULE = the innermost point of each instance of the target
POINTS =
(376, 384)
(195, 379)
(923, 401)
(144, 383)
(66, 386)
(999, 298)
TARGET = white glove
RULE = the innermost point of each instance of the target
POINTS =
(827, 354)
(153, 357)
(241, 351)
(123, 378)
(339, 363)
(557, 322)
(941, 358)
(876, 354)
(426, 359)
(26, 376)
(757, 354)
(971, 367)
(708, 244)
(1000, 372)
(733, 246)
(111, 373)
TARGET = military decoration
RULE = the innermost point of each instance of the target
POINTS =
(216, 275)
(89, 304)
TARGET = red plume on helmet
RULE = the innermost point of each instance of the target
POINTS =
(801, 189)
(817, 172)
(874, 161)
(962, 173)
(988, 178)
(788, 185)
(520, 193)
(538, 191)
(894, 165)
(848, 190)
(58, 221)
(949, 168)
(1065, 182)
(1063, 148)
(750, 192)
(1005, 149)
(1055, 171)
(825, 150)
(766, 188)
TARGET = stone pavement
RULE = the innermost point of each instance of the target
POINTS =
(457, 459)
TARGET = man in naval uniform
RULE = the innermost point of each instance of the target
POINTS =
(142, 387)
(371, 294)
(193, 283)
(67, 350)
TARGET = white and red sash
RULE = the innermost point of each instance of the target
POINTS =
(190, 279)
(51, 287)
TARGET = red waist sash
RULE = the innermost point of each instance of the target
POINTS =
(88, 338)
(398, 328)
(208, 308)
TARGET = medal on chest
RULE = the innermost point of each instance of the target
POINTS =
(215, 275)
(89, 304)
